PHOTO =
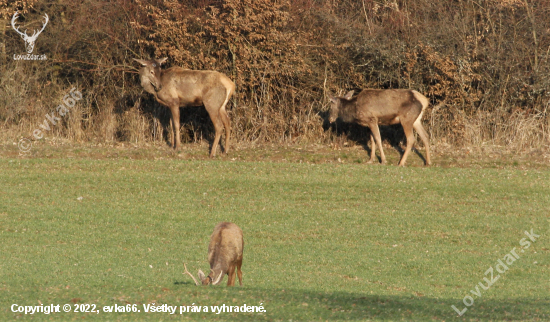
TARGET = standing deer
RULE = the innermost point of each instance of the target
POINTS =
(225, 253)
(29, 40)
(175, 87)
(385, 107)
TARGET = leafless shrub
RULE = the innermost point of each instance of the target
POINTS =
(487, 61)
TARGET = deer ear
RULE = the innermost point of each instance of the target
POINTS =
(141, 61)
(333, 100)
(162, 60)
(349, 95)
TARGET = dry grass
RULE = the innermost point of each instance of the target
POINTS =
(516, 132)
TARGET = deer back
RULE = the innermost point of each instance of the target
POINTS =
(226, 246)
(192, 87)
(389, 103)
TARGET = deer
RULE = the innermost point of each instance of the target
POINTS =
(176, 86)
(225, 255)
(29, 40)
(373, 107)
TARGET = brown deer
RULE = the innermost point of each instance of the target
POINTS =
(175, 87)
(385, 107)
(225, 253)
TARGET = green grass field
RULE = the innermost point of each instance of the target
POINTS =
(322, 241)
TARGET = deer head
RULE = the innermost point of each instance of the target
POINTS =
(206, 280)
(29, 40)
(150, 74)
(335, 103)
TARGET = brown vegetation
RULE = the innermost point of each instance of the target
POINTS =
(484, 66)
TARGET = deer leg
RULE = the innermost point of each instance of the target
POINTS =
(231, 275)
(239, 272)
(376, 133)
(372, 149)
(227, 125)
(218, 127)
(176, 126)
(408, 129)
(172, 137)
(424, 136)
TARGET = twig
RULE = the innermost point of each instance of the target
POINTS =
(307, 45)
(325, 83)
(367, 17)
(531, 16)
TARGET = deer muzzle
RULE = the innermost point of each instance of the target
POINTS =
(157, 88)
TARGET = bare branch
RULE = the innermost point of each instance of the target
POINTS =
(366, 17)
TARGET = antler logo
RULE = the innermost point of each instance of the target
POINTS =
(29, 40)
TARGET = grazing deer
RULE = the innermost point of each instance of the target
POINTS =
(175, 87)
(225, 253)
(29, 40)
(385, 107)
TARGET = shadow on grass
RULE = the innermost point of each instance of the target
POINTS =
(283, 304)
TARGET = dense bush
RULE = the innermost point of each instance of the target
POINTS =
(483, 64)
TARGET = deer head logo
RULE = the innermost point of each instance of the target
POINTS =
(29, 40)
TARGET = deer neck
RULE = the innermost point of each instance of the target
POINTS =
(217, 268)
(147, 86)
(347, 111)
